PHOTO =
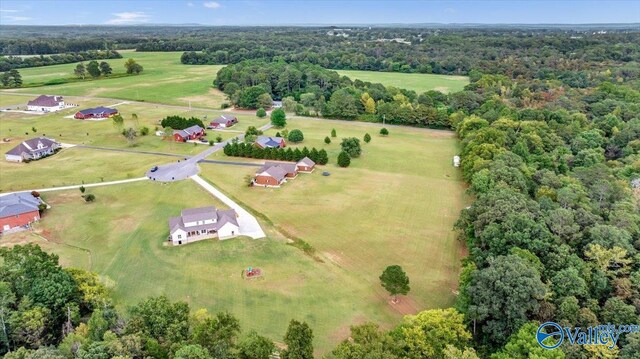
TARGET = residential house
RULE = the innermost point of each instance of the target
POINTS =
(44, 103)
(18, 210)
(276, 104)
(196, 224)
(270, 142)
(96, 112)
(306, 165)
(194, 132)
(32, 149)
(224, 121)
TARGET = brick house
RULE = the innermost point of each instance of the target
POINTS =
(18, 210)
(224, 121)
(306, 165)
(194, 132)
(96, 112)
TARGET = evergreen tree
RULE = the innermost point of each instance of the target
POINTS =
(343, 159)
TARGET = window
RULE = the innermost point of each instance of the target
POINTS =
(179, 236)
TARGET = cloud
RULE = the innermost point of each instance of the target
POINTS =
(7, 10)
(211, 4)
(190, 4)
(17, 18)
(123, 18)
(450, 10)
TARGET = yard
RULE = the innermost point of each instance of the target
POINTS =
(416, 82)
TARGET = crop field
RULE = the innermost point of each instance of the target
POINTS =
(164, 80)
(416, 82)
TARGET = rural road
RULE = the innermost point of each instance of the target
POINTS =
(86, 185)
(184, 169)
(248, 224)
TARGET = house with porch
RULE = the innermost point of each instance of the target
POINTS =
(32, 149)
(44, 103)
(196, 224)
(18, 210)
(274, 174)
(99, 112)
(194, 132)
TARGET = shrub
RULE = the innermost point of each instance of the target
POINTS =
(351, 146)
(144, 131)
(367, 138)
(89, 197)
(296, 136)
(333, 133)
(343, 159)
(224, 105)
(384, 132)
(82, 189)
(261, 113)
(36, 194)
(327, 140)
(211, 142)
(219, 139)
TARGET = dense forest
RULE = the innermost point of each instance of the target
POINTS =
(550, 134)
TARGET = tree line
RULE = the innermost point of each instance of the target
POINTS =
(249, 150)
(16, 62)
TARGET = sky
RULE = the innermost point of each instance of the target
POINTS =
(293, 12)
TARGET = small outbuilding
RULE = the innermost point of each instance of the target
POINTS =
(456, 161)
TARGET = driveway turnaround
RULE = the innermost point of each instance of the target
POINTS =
(248, 224)
(76, 186)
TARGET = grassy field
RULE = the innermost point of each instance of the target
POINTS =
(164, 80)
(19, 126)
(121, 236)
(416, 82)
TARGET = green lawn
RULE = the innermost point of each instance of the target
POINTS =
(74, 166)
(164, 80)
(121, 236)
(416, 82)
(19, 126)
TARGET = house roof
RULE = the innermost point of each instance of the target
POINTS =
(306, 162)
(276, 172)
(224, 119)
(98, 110)
(45, 101)
(31, 145)
(18, 203)
(187, 131)
(221, 217)
(266, 141)
(289, 167)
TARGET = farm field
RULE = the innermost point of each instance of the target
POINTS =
(416, 82)
(164, 80)
(121, 236)
(19, 126)
(401, 194)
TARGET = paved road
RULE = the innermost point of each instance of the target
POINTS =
(184, 169)
(131, 151)
(87, 185)
(248, 224)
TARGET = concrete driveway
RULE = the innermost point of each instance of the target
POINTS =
(248, 224)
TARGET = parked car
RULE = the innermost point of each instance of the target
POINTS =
(154, 168)
(204, 140)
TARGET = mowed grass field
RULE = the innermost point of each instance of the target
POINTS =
(164, 80)
(19, 126)
(121, 235)
(396, 204)
(416, 82)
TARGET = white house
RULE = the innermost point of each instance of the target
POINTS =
(196, 224)
(456, 161)
(44, 103)
(32, 149)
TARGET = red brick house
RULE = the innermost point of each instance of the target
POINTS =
(18, 210)
(96, 112)
(194, 132)
(270, 176)
(306, 165)
(224, 121)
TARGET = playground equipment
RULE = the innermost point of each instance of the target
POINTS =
(251, 272)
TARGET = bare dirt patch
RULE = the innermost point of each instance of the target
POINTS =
(344, 331)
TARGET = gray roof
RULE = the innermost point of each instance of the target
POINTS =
(289, 167)
(45, 101)
(306, 162)
(18, 203)
(224, 119)
(276, 172)
(266, 141)
(31, 145)
(222, 217)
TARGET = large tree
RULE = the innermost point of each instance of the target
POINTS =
(351, 146)
(93, 68)
(278, 118)
(299, 341)
(395, 281)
